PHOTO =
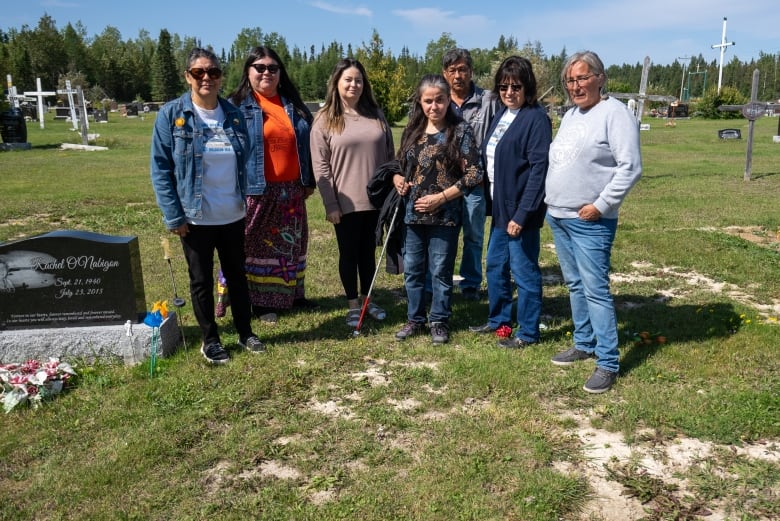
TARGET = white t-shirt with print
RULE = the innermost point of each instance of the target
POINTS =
(222, 202)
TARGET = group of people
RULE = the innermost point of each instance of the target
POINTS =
(232, 176)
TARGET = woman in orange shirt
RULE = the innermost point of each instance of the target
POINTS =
(279, 181)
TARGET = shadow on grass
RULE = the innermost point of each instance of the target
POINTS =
(675, 324)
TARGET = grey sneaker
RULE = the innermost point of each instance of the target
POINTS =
(439, 333)
(252, 344)
(570, 356)
(214, 353)
(411, 328)
(600, 381)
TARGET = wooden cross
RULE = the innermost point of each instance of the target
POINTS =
(752, 111)
(40, 94)
(642, 94)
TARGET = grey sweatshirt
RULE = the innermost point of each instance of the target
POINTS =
(595, 158)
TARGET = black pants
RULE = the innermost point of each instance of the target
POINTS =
(356, 237)
(199, 246)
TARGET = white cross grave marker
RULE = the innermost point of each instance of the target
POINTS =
(70, 92)
(40, 94)
(722, 46)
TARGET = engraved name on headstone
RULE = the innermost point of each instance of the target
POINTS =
(70, 278)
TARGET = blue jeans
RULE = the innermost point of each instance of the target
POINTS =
(439, 244)
(473, 238)
(517, 257)
(584, 249)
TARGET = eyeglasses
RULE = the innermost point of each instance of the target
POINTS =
(579, 80)
(198, 73)
(458, 70)
(514, 86)
(262, 67)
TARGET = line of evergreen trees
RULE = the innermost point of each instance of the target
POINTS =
(143, 69)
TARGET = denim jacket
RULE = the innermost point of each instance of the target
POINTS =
(177, 158)
(255, 164)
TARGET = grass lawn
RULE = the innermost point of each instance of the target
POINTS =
(325, 426)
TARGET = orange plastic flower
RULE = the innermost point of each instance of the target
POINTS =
(162, 307)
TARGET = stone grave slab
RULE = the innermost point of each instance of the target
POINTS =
(70, 278)
(75, 294)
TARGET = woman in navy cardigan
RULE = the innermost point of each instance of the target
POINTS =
(515, 153)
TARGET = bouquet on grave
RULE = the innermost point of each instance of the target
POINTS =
(32, 382)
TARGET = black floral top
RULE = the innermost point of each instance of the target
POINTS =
(429, 175)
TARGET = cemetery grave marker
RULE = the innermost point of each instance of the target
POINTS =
(752, 111)
(40, 93)
(70, 278)
(642, 94)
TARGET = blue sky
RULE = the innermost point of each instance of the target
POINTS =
(620, 31)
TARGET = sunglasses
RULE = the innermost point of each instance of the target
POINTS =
(515, 87)
(261, 68)
(198, 73)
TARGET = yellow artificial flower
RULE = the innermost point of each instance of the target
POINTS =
(179, 122)
(162, 307)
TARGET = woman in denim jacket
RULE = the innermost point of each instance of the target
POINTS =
(199, 150)
(279, 181)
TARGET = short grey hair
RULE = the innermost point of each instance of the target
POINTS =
(591, 59)
(199, 52)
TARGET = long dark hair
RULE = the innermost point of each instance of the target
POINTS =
(418, 121)
(286, 87)
(333, 109)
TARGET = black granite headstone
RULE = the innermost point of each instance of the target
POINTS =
(61, 112)
(12, 126)
(70, 278)
(101, 116)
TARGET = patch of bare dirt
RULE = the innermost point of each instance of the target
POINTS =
(666, 461)
(690, 280)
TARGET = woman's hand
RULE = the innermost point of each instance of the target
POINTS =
(430, 203)
(513, 229)
(181, 231)
(334, 217)
(401, 186)
(589, 213)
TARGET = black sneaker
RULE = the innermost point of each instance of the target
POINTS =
(571, 355)
(600, 381)
(513, 342)
(471, 294)
(214, 353)
(483, 329)
(411, 328)
(252, 344)
(439, 333)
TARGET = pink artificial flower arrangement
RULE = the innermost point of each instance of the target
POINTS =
(32, 381)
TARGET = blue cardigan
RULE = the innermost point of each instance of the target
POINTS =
(520, 167)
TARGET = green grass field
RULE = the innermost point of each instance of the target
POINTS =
(324, 426)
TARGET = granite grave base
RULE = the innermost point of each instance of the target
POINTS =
(129, 343)
(5, 147)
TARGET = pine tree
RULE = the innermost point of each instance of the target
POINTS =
(166, 80)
